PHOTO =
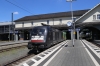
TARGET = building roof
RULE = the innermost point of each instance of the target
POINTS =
(6, 23)
(87, 24)
(52, 15)
(88, 12)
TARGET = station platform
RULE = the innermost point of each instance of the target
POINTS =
(70, 56)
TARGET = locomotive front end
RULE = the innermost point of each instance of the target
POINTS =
(37, 38)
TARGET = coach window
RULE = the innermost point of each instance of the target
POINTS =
(60, 21)
(98, 16)
(48, 22)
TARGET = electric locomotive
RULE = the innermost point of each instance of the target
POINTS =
(43, 37)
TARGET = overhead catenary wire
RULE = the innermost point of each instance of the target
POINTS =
(19, 7)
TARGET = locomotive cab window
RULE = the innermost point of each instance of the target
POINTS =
(38, 31)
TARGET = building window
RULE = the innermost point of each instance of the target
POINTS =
(6, 28)
(98, 16)
(32, 23)
(94, 17)
(22, 24)
(60, 21)
(48, 22)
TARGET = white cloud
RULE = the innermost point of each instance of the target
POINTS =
(15, 12)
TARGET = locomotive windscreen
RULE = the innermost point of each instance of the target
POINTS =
(38, 31)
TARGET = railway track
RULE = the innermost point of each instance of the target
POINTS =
(8, 50)
(9, 46)
(24, 58)
(13, 54)
(37, 57)
(97, 43)
(19, 60)
(94, 46)
(30, 54)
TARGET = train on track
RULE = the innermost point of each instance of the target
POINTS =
(43, 37)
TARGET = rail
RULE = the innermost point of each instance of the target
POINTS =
(8, 45)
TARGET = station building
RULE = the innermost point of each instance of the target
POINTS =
(87, 21)
(56, 20)
(6, 31)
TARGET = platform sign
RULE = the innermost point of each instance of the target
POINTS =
(74, 32)
(69, 29)
(69, 23)
(11, 31)
(77, 29)
(16, 32)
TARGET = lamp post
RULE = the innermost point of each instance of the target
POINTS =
(73, 22)
(13, 26)
(74, 18)
(9, 32)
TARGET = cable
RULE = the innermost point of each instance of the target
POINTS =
(19, 7)
(21, 4)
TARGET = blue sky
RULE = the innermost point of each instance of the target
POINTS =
(36, 7)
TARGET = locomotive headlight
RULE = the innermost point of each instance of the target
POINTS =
(32, 36)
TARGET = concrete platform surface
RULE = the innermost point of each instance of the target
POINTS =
(64, 54)
(71, 56)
